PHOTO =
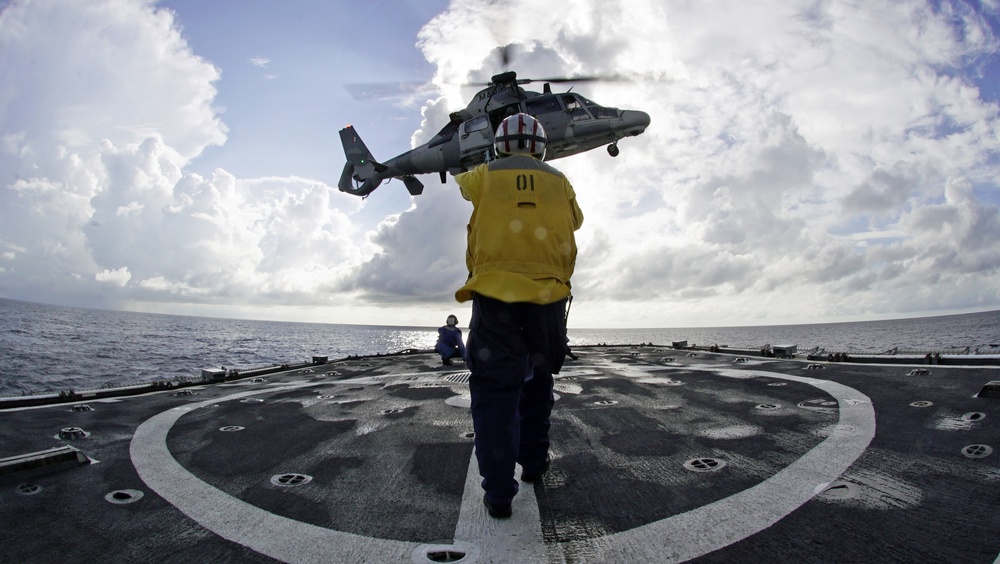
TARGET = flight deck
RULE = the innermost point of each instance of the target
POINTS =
(658, 455)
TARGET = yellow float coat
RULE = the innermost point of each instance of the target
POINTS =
(521, 246)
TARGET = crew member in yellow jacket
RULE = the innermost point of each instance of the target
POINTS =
(521, 255)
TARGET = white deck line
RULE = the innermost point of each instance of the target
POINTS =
(233, 519)
(517, 539)
(729, 520)
(675, 539)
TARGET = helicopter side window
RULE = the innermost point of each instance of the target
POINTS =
(575, 108)
(481, 122)
(476, 135)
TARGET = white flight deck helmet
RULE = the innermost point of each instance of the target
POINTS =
(520, 134)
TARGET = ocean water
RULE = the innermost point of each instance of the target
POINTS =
(46, 348)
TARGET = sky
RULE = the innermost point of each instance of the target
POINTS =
(807, 161)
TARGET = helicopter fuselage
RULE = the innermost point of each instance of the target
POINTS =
(573, 124)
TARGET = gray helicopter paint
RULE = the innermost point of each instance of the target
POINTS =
(573, 125)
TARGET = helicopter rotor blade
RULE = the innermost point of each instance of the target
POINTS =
(385, 90)
(595, 78)
(506, 54)
(558, 79)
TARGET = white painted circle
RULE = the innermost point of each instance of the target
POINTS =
(746, 513)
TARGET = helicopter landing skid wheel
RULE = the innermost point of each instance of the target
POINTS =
(613, 149)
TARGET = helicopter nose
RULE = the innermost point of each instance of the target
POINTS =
(635, 122)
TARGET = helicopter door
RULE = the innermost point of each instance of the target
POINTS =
(475, 138)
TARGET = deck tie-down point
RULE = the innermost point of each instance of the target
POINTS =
(704, 464)
(445, 551)
(28, 489)
(121, 497)
(291, 480)
(977, 451)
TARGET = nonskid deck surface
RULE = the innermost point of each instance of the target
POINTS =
(657, 457)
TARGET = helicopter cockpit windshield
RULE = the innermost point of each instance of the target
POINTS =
(581, 108)
(599, 111)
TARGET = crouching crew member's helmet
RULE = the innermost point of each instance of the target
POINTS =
(520, 134)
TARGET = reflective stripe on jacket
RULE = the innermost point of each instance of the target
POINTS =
(521, 246)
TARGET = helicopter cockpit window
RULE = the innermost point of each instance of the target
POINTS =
(602, 112)
(541, 105)
(575, 107)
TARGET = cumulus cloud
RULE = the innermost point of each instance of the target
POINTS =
(805, 161)
(98, 128)
(118, 277)
(421, 253)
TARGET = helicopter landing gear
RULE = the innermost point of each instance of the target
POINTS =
(613, 149)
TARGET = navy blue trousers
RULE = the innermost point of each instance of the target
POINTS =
(513, 350)
(450, 351)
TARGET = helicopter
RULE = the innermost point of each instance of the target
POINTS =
(573, 124)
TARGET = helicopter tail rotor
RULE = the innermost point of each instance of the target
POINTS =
(361, 173)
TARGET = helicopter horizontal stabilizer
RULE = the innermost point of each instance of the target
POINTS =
(413, 186)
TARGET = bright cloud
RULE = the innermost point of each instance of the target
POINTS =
(806, 161)
(139, 104)
(777, 130)
(118, 277)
